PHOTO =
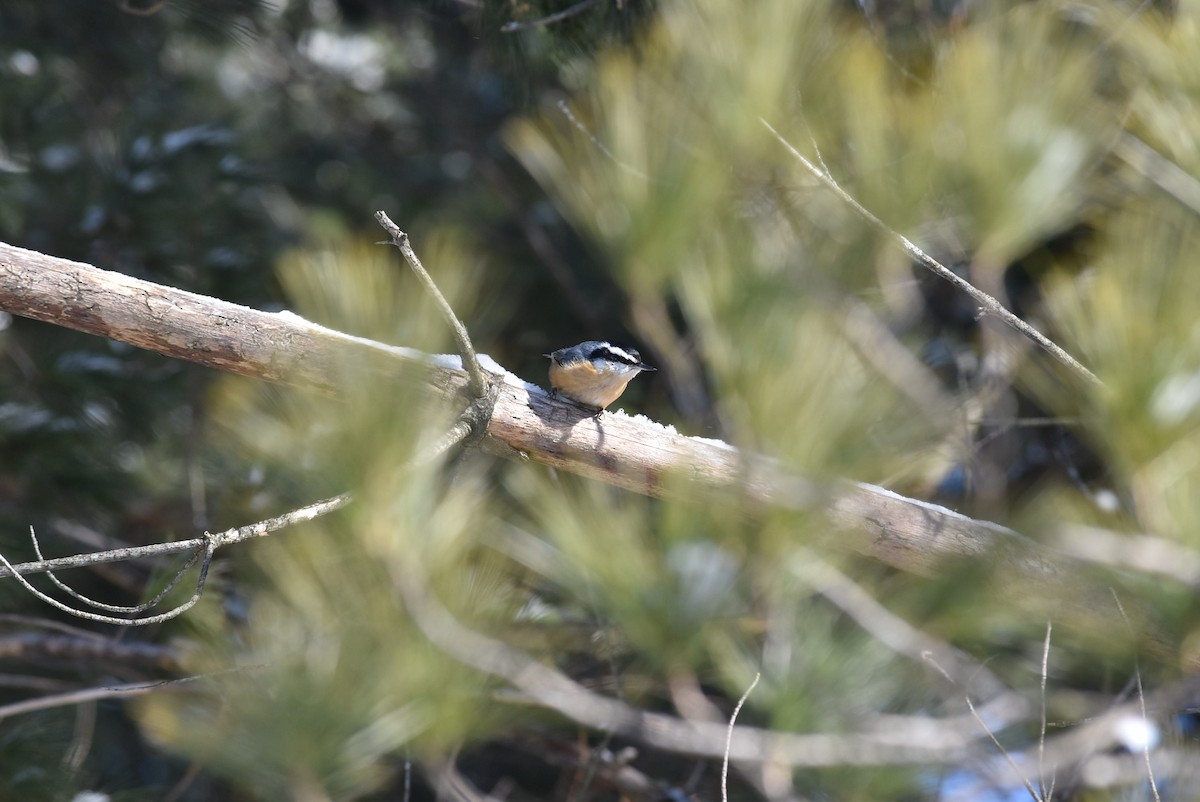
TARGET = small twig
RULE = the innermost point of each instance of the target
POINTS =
(812, 140)
(558, 16)
(93, 694)
(1146, 744)
(457, 433)
(148, 11)
(209, 548)
(114, 608)
(1012, 763)
(1031, 423)
(890, 629)
(81, 741)
(1117, 31)
(228, 537)
(881, 43)
(932, 660)
(32, 683)
(729, 738)
(185, 782)
(1137, 673)
(206, 546)
(543, 685)
(987, 302)
(583, 129)
(1162, 172)
(1130, 551)
(476, 380)
(875, 343)
(1042, 737)
(469, 429)
(451, 785)
(27, 621)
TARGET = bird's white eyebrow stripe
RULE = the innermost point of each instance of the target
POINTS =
(619, 354)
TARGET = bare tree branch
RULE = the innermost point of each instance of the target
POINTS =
(897, 634)
(566, 13)
(229, 536)
(113, 608)
(1164, 173)
(987, 302)
(632, 453)
(549, 688)
(92, 649)
(729, 738)
(1130, 551)
(94, 694)
(207, 551)
(476, 381)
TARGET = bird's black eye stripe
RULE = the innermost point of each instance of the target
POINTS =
(626, 355)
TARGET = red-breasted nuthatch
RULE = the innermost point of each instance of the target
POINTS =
(593, 373)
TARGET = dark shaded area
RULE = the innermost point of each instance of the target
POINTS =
(189, 143)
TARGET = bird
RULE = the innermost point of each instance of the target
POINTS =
(593, 373)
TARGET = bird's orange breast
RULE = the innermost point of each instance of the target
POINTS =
(580, 381)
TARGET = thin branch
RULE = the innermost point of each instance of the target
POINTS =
(90, 650)
(889, 629)
(477, 382)
(1137, 673)
(54, 626)
(1024, 779)
(595, 140)
(83, 737)
(185, 782)
(635, 454)
(113, 608)
(93, 694)
(987, 302)
(550, 19)
(547, 687)
(208, 550)
(613, 768)
(1094, 738)
(451, 785)
(1146, 743)
(1042, 733)
(148, 11)
(880, 36)
(729, 737)
(206, 546)
(892, 360)
(228, 537)
(1162, 172)
(33, 683)
(767, 777)
(1130, 552)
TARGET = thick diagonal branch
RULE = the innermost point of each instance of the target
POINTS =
(633, 453)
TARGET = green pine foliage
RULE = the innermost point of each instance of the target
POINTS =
(628, 174)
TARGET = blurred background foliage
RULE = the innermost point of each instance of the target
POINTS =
(608, 173)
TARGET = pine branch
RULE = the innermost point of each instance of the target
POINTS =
(633, 453)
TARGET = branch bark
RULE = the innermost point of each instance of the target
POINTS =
(633, 453)
(228, 537)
